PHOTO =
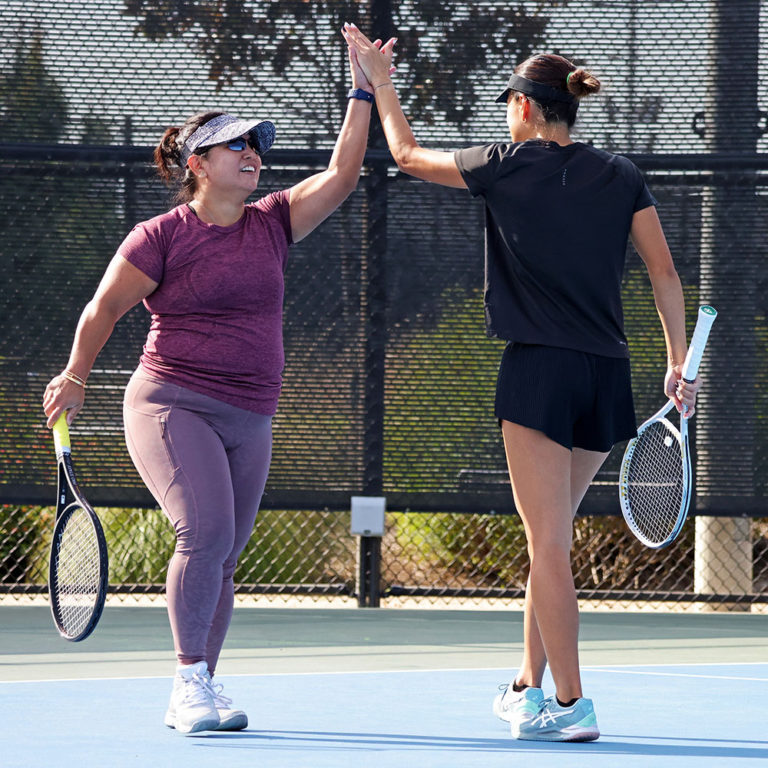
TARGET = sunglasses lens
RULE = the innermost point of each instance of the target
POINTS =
(236, 145)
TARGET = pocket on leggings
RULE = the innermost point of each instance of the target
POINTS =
(147, 405)
(165, 436)
(151, 450)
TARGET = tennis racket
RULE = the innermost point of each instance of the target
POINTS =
(77, 573)
(655, 479)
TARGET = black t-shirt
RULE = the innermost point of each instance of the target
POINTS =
(557, 223)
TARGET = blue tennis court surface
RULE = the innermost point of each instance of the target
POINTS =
(702, 715)
(379, 688)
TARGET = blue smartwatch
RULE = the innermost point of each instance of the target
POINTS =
(359, 93)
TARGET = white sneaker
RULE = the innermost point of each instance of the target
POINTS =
(229, 719)
(517, 707)
(192, 706)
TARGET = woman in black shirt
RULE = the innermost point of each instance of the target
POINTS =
(558, 217)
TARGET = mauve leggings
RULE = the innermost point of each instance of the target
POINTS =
(206, 464)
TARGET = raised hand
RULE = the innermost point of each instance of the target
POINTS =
(373, 58)
(359, 80)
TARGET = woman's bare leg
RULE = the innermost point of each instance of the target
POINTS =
(549, 482)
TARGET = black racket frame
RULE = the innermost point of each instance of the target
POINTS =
(68, 499)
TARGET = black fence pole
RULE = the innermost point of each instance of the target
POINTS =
(374, 292)
(374, 309)
(729, 273)
(374, 281)
(130, 202)
(730, 265)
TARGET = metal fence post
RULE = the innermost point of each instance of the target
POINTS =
(369, 572)
(726, 461)
(367, 516)
(374, 313)
(129, 180)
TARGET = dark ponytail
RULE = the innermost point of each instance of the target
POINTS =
(167, 156)
(557, 72)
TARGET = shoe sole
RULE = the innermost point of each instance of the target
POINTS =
(201, 725)
(588, 734)
(207, 724)
(236, 723)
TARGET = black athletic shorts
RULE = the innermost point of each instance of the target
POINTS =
(577, 399)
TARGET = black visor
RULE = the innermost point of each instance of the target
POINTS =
(537, 91)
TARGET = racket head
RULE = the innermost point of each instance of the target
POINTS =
(655, 481)
(77, 572)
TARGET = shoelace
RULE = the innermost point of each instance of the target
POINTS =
(505, 704)
(219, 699)
(507, 688)
(198, 689)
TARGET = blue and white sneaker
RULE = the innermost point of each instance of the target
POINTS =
(517, 707)
(555, 723)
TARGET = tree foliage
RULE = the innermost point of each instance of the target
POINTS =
(53, 220)
(444, 48)
(32, 103)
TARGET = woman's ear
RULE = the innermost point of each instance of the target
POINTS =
(195, 164)
(526, 108)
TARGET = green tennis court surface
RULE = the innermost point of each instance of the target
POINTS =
(375, 688)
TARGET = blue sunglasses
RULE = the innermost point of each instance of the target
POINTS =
(236, 145)
(239, 144)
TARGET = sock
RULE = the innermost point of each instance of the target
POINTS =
(517, 687)
(187, 670)
(569, 703)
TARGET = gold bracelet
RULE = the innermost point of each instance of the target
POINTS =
(73, 377)
(381, 85)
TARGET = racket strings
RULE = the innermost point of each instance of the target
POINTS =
(78, 569)
(655, 482)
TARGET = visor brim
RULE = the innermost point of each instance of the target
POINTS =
(262, 131)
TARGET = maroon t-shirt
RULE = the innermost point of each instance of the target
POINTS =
(217, 310)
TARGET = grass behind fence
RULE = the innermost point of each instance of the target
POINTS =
(300, 551)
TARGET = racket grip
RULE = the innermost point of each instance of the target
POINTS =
(61, 435)
(704, 322)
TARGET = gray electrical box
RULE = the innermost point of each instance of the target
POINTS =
(367, 518)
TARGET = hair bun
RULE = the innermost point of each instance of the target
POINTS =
(580, 82)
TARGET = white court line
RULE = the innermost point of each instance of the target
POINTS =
(264, 674)
(616, 668)
(675, 674)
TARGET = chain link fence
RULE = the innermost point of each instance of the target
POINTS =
(468, 557)
(389, 382)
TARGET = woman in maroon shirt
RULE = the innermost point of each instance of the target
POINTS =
(198, 409)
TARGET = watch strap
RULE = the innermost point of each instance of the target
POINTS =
(359, 93)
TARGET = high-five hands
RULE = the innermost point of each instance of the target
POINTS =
(373, 58)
